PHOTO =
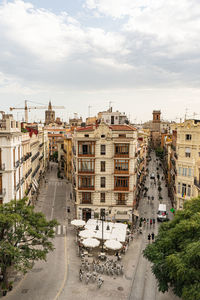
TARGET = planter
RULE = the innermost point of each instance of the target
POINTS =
(4, 293)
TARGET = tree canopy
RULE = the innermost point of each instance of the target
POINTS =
(175, 254)
(24, 236)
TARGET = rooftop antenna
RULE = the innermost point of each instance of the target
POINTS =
(110, 103)
(186, 110)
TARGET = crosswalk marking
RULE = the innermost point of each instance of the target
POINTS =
(60, 230)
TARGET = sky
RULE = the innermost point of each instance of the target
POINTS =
(139, 55)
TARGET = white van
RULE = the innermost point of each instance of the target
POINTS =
(162, 213)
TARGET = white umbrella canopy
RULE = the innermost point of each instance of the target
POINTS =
(86, 233)
(113, 244)
(91, 243)
(78, 223)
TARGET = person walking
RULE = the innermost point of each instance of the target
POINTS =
(149, 237)
(152, 236)
(154, 221)
(150, 222)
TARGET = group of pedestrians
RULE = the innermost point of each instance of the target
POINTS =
(151, 237)
(150, 222)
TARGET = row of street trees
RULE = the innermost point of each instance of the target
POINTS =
(25, 237)
(175, 254)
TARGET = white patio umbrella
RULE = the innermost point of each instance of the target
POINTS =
(86, 233)
(113, 244)
(91, 243)
(78, 223)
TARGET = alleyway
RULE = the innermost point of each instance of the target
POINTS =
(144, 285)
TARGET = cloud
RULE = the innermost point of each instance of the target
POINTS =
(155, 44)
(173, 24)
(52, 37)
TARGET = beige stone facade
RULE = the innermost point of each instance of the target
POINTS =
(104, 166)
(188, 161)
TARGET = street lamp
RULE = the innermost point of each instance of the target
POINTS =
(102, 218)
(108, 227)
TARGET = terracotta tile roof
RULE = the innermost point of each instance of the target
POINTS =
(122, 127)
(87, 128)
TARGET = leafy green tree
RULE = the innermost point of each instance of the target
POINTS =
(24, 237)
(176, 253)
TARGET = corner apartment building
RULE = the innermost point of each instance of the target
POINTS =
(188, 161)
(104, 174)
(22, 159)
(10, 159)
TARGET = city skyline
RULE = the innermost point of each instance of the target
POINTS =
(140, 57)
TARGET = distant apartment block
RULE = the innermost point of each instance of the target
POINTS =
(188, 161)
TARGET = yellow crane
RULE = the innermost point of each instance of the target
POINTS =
(26, 108)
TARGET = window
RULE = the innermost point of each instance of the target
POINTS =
(189, 190)
(179, 171)
(103, 149)
(103, 197)
(102, 213)
(122, 135)
(121, 165)
(121, 183)
(86, 148)
(86, 165)
(179, 188)
(103, 136)
(187, 152)
(103, 182)
(86, 198)
(189, 172)
(188, 137)
(184, 172)
(122, 149)
(121, 199)
(183, 189)
(86, 135)
(103, 166)
(86, 182)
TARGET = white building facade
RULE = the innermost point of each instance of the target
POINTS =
(23, 159)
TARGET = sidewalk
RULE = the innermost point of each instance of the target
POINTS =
(113, 286)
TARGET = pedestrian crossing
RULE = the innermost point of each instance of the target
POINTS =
(60, 230)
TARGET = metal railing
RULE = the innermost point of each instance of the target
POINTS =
(197, 182)
(2, 167)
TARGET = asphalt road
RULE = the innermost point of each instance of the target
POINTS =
(46, 279)
(144, 284)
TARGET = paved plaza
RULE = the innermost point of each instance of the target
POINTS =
(58, 278)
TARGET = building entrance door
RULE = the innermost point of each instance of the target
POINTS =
(86, 214)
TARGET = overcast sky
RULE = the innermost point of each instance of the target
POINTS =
(139, 54)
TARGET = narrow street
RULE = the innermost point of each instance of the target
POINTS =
(144, 285)
(57, 279)
(45, 280)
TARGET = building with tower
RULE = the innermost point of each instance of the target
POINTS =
(49, 115)
(155, 129)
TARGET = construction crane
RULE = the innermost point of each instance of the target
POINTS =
(26, 108)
